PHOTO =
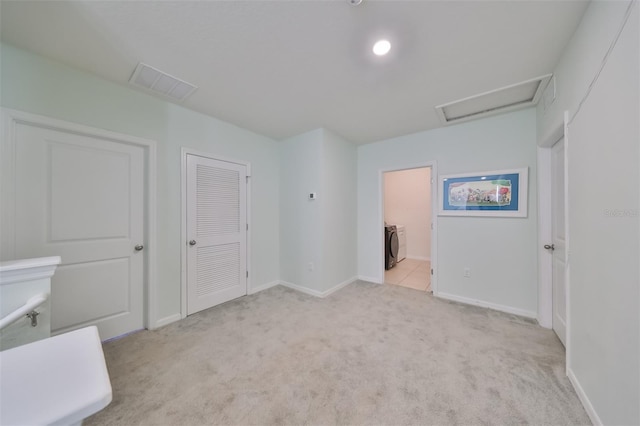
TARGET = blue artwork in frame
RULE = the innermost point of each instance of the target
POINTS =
(496, 193)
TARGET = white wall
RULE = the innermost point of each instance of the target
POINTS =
(339, 198)
(321, 231)
(604, 205)
(301, 220)
(34, 84)
(580, 60)
(501, 252)
(407, 201)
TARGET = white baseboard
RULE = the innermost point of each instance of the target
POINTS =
(177, 317)
(369, 279)
(301, 289)
(262, 287)
(482, 303)
(339, 286)
(423, 259)
(166, 321)
(317, 293)
(586, 403)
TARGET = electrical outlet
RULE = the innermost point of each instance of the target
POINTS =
(310, 266)
(467, 272)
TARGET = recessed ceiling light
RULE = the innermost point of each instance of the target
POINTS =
(381, 47)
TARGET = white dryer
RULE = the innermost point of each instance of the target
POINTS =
(402, 242)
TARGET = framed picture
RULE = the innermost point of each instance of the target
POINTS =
(500, 193)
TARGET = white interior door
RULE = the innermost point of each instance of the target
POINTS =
(216, 232)
(82, 198)
(558, 247)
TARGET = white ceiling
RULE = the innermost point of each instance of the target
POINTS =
(281, 68)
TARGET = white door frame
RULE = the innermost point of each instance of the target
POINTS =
(434, 218)
(183, 220)
(545, 261)
(10, 118)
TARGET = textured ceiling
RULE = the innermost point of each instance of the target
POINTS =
(281, 68)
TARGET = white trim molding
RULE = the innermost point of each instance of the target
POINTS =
(584, 399)
(567, 245)
(545, 273)
(12, 117)
(339, 286)
(316, 293)
(183, 220)
(263, 287)
(489, 305)
(370, 279)
(545, 217)
(434, 220)
(301, 289)
(167, 320)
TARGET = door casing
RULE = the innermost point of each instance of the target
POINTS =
(183, 221)
(545, 274)
(10, 118)
(434, 218)
(558, 253)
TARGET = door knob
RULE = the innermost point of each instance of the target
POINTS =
(192, 242)
(551, 247)
(139, 247)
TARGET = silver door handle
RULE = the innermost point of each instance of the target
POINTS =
(139, 247)
(192, 242)
(551, 247)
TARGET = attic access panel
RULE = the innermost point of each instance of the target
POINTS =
(508, 98)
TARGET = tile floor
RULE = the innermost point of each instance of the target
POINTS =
(410, 273)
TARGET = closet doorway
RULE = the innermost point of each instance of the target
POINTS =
(215, 229)
(407, 211)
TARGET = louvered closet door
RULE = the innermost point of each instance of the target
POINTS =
(216, 232)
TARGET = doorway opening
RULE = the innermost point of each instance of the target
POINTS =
(407, 211)
(553, 236)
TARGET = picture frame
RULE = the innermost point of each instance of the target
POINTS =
(497, 193)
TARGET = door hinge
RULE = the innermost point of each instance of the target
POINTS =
(247, 274)
(247, 226)
(431, 271)
(432, 226)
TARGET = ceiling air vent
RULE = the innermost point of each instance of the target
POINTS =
(158, 82)
(509, 98)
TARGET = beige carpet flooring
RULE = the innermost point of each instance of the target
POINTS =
(366, 355)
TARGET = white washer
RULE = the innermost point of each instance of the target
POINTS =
(402, 242)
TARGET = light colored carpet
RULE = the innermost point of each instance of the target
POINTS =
(368, 354)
